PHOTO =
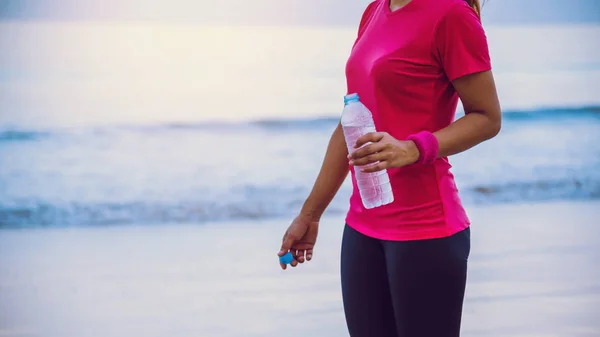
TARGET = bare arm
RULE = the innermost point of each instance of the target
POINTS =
(331, 176)
(483, 117)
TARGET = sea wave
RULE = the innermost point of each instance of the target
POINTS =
(48, 213)
(273, 124)
(172, 172)
(22, 135)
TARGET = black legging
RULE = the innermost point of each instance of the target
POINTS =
(404, 289)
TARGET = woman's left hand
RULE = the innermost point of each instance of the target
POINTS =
(384, 150)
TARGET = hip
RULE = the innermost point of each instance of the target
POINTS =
(426, 205)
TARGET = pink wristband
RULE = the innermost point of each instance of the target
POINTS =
(428, 146)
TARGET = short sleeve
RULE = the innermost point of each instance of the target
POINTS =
(461, 44)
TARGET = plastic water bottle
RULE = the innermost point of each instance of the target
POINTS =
(375, 188)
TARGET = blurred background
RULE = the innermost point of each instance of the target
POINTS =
(152, 154)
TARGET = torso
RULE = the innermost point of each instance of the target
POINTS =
(396, 69)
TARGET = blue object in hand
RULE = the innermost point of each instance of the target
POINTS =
(287, 258)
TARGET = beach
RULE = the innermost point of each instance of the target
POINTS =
(148, 172)
(532, 273)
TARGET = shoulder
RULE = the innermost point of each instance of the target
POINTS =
(368, 14)
(369, 10)
(456, 17)
(457, 10)
(372, 5)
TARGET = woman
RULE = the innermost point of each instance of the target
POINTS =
(404, 265)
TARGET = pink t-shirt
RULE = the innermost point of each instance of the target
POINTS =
(401, 66)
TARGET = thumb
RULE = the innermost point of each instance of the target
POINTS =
(288, 241)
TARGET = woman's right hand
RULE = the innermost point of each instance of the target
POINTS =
(299, 239)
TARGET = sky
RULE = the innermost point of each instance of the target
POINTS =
(307, 12)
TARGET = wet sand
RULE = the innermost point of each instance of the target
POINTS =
(533, 272)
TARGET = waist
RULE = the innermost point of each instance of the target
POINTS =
(426, 205)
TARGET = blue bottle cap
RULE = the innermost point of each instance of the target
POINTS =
(351, 98)
(287, 258)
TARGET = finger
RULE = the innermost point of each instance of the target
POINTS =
(286, 245)
(294, 263)
(309, 254)
(296, 255)
(371, 137)
(367, 150)
(300, 256)
(372, 158)
(282, 265)
(382, 165)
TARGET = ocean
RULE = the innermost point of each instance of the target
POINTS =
(143, 123)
